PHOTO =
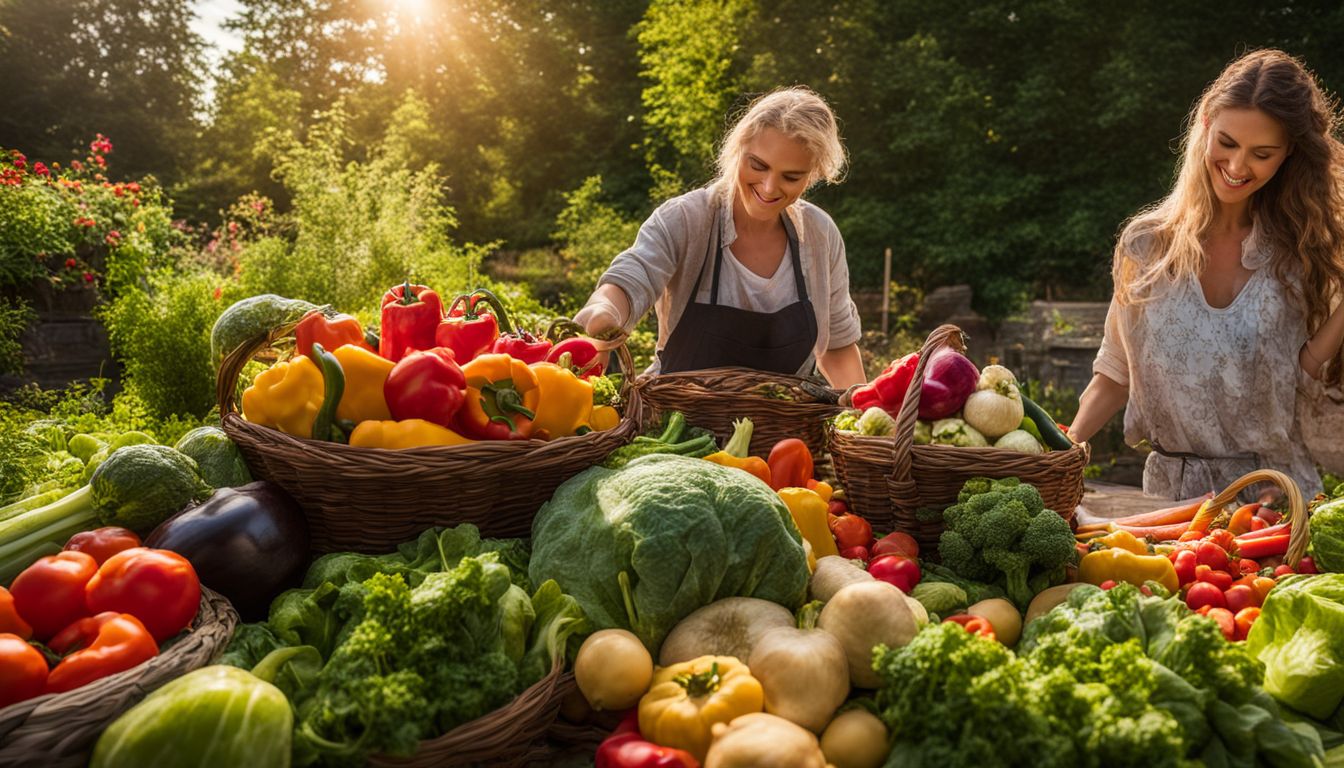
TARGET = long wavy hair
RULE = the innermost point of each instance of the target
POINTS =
(1300, 210)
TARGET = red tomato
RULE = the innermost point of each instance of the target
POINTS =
(1307, 565)
(156, 586)
(10, 620)
(1226, 622)
(897, 543)
(837, 506)
(1212, 555)
(1107, 584)
(1220, 579)
(1271, 517)
(1202, 593)
(23, 670)
(49, 594)
(1223, 538)
(851, 531)
(1240, 596)
(1248, 566)
(1185, 566)
(1284, 570)
(895, 569)
(855, 553)
(1245, 618)
(103, 543)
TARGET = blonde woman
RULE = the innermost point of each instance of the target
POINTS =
(1224, 290)
(743, 271)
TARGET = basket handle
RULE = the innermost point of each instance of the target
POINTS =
(946, 335)
(1297, 508)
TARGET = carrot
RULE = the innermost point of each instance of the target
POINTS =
(1273, 530)
(1265, 546)
(1170, 532)
(1181, 513)
(1240, 521)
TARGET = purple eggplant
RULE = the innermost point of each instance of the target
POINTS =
(248, 543)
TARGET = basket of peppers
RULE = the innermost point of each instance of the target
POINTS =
(453, 416)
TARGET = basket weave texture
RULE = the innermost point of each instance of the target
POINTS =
(887, 479)
(1297, 507)
(370, 500)
(507, 737)
(60, 729)
(714, 397)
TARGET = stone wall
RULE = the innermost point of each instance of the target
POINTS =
(66, 343)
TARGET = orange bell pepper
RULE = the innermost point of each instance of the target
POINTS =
(502, 398)
(103, 645)
(734, 453)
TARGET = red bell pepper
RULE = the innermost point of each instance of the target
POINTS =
(331, 332)
(790, 464)
(580, 355)
(426, 385)
(49, 594)
(411, 313)
(626, 748)
(849, 530)
(887, 391)
(23, 670)
(470, 329)
(102, 543)
(102, 645)
(158, 587)
(900, 572)
(522, 345)
(976, 625)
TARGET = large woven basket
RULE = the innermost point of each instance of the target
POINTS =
(60, 729)
(887, 479)
(1297, 507)
(509, 736)
(370, 500)
(778, 405)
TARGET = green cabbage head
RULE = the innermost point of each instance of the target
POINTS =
(643, 546)
(1327, 536)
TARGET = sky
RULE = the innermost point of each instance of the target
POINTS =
(209, 24)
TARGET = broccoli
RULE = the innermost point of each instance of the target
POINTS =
(1002, 526)
(1015, 567)
(962, 557)
(1048, 541)
(1028, 495)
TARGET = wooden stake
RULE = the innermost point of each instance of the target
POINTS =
(886, 289)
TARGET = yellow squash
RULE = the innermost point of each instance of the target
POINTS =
(687, 699)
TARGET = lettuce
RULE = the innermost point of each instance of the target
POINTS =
(1327, 536)
(1300, 639)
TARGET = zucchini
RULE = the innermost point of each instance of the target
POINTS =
(1054, 437)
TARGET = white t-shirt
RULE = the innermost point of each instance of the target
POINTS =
(741, 288)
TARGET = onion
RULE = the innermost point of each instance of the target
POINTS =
(949, 379)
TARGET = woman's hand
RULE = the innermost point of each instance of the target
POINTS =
(607, 308)
(1102, 399)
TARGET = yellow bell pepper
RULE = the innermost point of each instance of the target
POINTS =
(603, 417)
(809, 514)
(823, 489)
(365, 373)
(408, 433)
(1118, 564)
(566, 401)
(286, 396)
(687, 699)
(1123, 540)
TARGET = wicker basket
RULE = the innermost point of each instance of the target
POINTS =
(370, 500)
(60, 729)
(714, 397)
(508, 736)
(1297, 507)
(887, 479)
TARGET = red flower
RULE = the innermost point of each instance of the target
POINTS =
(41, 169)
(113, 237)
(70, 263)
(218, 293)
(20, 161)
(78, 166)
(88, 277)
(134, 187)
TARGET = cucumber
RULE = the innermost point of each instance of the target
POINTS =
(1054, 437)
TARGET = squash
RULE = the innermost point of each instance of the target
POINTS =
(864, 615)
(855, 739)
(613, 669)
(1045, 601)
(727, 627)
(762, 740)
(1003, 616)
(803, 670)
(832, 574)
(917, 608)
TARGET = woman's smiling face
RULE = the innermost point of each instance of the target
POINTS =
(773, 173)
(1245, 149)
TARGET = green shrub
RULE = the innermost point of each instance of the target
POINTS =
(15, 317)
(592, 233)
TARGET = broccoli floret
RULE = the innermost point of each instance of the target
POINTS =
(1015, 567)
(1048, 541)
(931, 514)
(1028, 495)
(962, 557)
(974, 487)
(1002, 526)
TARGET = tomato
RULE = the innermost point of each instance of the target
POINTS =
(1185, 566)
(23, 670)
(1212, 555)
(1240, 596)
(1223, 538)
(10, 620)
(1226, 622)
(855, 553)
(103, 543)
(851, 531)
(1245, 618)
(1307, 565)
(49, 594)
(1202, 593)
(1246, 566)
(1284, 570)
(895, 569)
(1220, 579)
(158, 587)
(1108, 584)
(896, 544)
(1262, 585)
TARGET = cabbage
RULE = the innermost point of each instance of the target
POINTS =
(876, 422)
(957, 432)
(846, 421)
(214, 716)
(940, 597)
(220, 462)
(1300, 639)
(923, 433)
(1327, 536)
(1019, 440)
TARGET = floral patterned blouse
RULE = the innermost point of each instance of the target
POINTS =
(1213, 390)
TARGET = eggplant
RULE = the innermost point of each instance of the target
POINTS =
(248, 543)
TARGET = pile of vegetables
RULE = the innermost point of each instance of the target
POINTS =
(958, 405)
(432, 376)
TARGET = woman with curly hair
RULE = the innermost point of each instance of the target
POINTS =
(1225, 291)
